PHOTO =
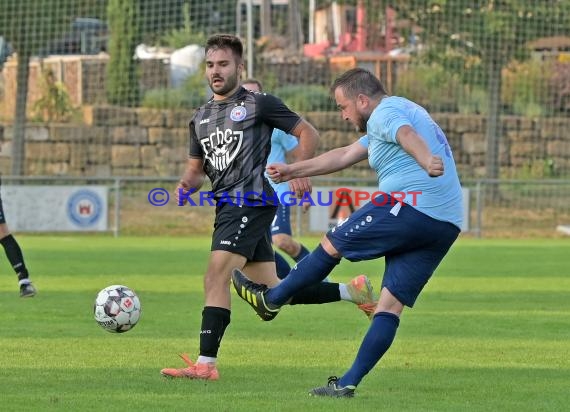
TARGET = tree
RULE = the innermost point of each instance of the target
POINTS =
(295, 30)
(28, 26)
(493, 31)
(122, 71)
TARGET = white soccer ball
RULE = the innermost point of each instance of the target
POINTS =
(117, 309)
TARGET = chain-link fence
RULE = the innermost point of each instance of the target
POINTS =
(111, 85)
(148, 206)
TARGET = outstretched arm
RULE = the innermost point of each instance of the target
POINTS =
(416, 147)
(308, 142)
(328, 162)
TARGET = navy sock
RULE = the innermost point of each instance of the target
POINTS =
(376, 342)
(315, 267)
(302, 253)
(282, 266)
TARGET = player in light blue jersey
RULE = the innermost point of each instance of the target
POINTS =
(412, 223)
(281, 232)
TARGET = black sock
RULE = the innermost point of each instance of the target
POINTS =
(14, 254)
(323, 292)
(311, 270)
(214, 323)
(302, 253)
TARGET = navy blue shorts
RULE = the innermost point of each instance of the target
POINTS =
(412, 243)
(282, 221)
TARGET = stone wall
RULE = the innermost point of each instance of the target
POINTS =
(528, 147)
(83, 76)
(140, 142)
(112, 142)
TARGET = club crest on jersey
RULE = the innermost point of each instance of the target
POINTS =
(221, 147)
(238, 113)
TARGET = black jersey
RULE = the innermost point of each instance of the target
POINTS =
(233, 136)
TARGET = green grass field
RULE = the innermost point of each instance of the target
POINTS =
(491, 332)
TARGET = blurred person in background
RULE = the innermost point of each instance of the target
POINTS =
(15, 256)
(282, 144)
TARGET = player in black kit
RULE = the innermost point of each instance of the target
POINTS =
(230, 140)
(15, 256)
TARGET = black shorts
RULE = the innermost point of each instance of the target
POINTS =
(245, 231)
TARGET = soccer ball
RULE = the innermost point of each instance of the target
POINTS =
(117, 309)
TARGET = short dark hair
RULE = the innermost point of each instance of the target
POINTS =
(254, 81)
(359, 81)
(225, 41)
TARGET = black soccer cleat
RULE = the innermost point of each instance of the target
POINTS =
(332, 390)
(254, 294)
(27, 290)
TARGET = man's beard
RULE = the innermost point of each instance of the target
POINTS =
(361, 124)
(228, 85)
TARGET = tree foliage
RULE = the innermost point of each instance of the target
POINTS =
(460, 31)
(54, 103)
(122, 72)
(483, 36)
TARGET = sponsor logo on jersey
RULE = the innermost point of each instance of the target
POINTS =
(203, 121)
(238, 113)
(221, 147)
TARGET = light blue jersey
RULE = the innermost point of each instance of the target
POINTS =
(439, 197)
(281, 143)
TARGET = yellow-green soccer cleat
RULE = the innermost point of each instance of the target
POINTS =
(254, 294)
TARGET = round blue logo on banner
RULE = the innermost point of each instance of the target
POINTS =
(84, 208)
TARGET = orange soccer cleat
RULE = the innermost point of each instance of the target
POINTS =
(205, 371)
